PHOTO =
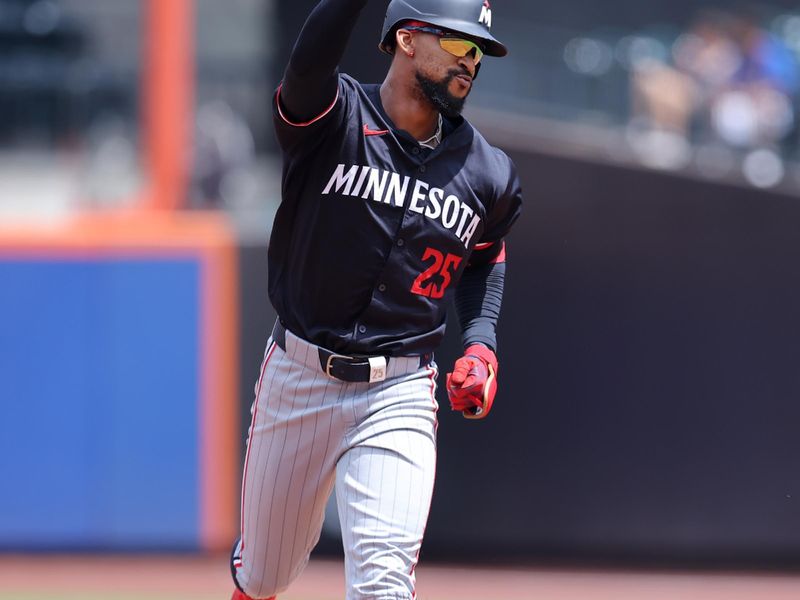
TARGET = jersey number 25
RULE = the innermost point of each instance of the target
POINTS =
(442, 267)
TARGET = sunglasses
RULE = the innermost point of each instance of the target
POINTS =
(457, 46)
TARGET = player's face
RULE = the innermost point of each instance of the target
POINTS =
(444, 77)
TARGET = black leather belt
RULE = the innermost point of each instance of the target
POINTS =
(353, 369)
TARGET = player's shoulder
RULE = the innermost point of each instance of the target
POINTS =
(494, 158)
(351, 86)
(485, 144)
(349, 81)
(356, 95)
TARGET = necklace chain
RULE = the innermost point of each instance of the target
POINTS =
(436, 138)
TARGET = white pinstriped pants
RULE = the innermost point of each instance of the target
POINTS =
(376, 442)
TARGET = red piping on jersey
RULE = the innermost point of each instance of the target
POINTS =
(250, 434)
(501, 256)
(307, 123)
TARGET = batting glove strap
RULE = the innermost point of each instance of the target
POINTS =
(484, 353)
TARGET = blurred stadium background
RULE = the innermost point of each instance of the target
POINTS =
(646, 429)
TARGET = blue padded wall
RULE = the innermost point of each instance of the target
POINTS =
(99, 364)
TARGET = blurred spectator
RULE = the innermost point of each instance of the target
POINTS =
(668, 100)
(730, 81)
(755, 107)
(663, 97)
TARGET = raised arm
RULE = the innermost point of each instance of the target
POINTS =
(311, 79)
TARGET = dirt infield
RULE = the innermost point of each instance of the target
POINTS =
(38, 577)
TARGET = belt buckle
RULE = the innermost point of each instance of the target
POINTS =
(329, 364)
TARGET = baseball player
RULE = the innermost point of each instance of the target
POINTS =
(393, 206)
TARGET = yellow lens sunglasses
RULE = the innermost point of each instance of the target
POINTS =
(452, 43)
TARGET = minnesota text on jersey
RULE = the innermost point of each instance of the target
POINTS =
(392, 188)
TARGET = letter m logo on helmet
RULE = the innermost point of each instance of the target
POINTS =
(486, 14)
(472, 18)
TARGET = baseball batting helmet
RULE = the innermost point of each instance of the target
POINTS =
(473, 18)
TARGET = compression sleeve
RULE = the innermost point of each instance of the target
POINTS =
(477, 300)
(311, 79)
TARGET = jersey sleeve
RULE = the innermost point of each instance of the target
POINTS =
(503, 213)
(296, 136)
(508, 203)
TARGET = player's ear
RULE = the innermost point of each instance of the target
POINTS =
(404, 42)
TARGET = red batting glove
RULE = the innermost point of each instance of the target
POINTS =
(473, 383)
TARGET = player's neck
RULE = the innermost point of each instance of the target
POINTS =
(407, 109)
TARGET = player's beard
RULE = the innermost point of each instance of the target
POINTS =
(438, 93)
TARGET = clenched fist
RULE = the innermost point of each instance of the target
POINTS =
(473, 383)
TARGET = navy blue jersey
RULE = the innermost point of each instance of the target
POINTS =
(374, 231)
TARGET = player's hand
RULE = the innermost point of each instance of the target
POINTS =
(473, 383)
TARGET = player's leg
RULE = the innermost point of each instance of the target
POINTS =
(384, 484)
(294, 440)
